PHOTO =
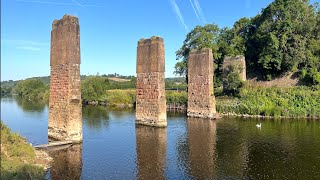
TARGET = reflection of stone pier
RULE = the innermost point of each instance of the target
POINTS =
(151, 100)
(65, 116)
(67, 163)
(201, 100)
(202, 148)
(151, 152)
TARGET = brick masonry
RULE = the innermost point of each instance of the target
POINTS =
(150, 99)
(239, 62)
(151, 147)
(65, 107)
(201, 100)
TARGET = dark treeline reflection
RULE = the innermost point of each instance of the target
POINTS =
(67, 163)
(151, 144)
(95, 117)
(30, 106)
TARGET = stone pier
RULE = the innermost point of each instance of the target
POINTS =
(150, 99)
(201, 100)
(236, 62)
(65, 115)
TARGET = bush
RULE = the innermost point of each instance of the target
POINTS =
(94, 88)
(232, 83)
(33, 89)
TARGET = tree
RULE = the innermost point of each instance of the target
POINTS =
(200, 37)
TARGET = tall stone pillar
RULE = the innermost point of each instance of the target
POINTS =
(201, 100)
(150, 99)
(65, 116)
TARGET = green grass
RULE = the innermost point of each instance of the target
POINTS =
(274, 101)
(17, 157)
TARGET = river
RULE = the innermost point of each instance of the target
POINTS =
(114, 147)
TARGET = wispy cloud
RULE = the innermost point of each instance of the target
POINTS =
(177, 11)
(198, 10)
(75, 3)
(28, 48)
(24, 44)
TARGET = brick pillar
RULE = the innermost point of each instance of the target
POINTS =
(65, 115)
(151, 100)
(201, 100)
(239, 62)
(151, 147)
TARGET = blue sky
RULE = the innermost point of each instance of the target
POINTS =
(109, 30)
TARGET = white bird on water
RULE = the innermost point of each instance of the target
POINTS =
(258, 125)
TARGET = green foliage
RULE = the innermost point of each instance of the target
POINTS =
(94, 88)
(33, 89)
(121, 98)
(17, 157)
(284, 37)
(233, 82)
(177, 97)
(290, 102)
(200, 37)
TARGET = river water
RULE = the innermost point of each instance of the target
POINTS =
(230, 148)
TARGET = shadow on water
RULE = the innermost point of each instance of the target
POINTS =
(67, 163)
(151, 148)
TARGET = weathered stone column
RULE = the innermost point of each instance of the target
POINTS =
(236, 62)
(150, 99)
(65, 116)
(201, 100)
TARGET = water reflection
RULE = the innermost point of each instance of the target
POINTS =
(151, 144)
(67, 163)
(202, 148)
(30, 106)
(95, 117)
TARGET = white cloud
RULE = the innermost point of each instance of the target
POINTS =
(29, 48)
(24, 44)
(176, 9)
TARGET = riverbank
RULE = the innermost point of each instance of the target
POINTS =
(290, 102)
(19, 160)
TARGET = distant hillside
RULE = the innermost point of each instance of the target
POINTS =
(118, 81)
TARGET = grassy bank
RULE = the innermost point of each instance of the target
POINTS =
(18, 158)
(274, 101)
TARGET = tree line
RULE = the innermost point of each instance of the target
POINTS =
(283, 38)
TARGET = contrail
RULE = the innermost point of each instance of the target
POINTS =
(58, 3)
(178, 13)
(77, 3)
(199, 11)
(194, 10)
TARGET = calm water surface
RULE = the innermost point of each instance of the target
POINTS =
(229, 148)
